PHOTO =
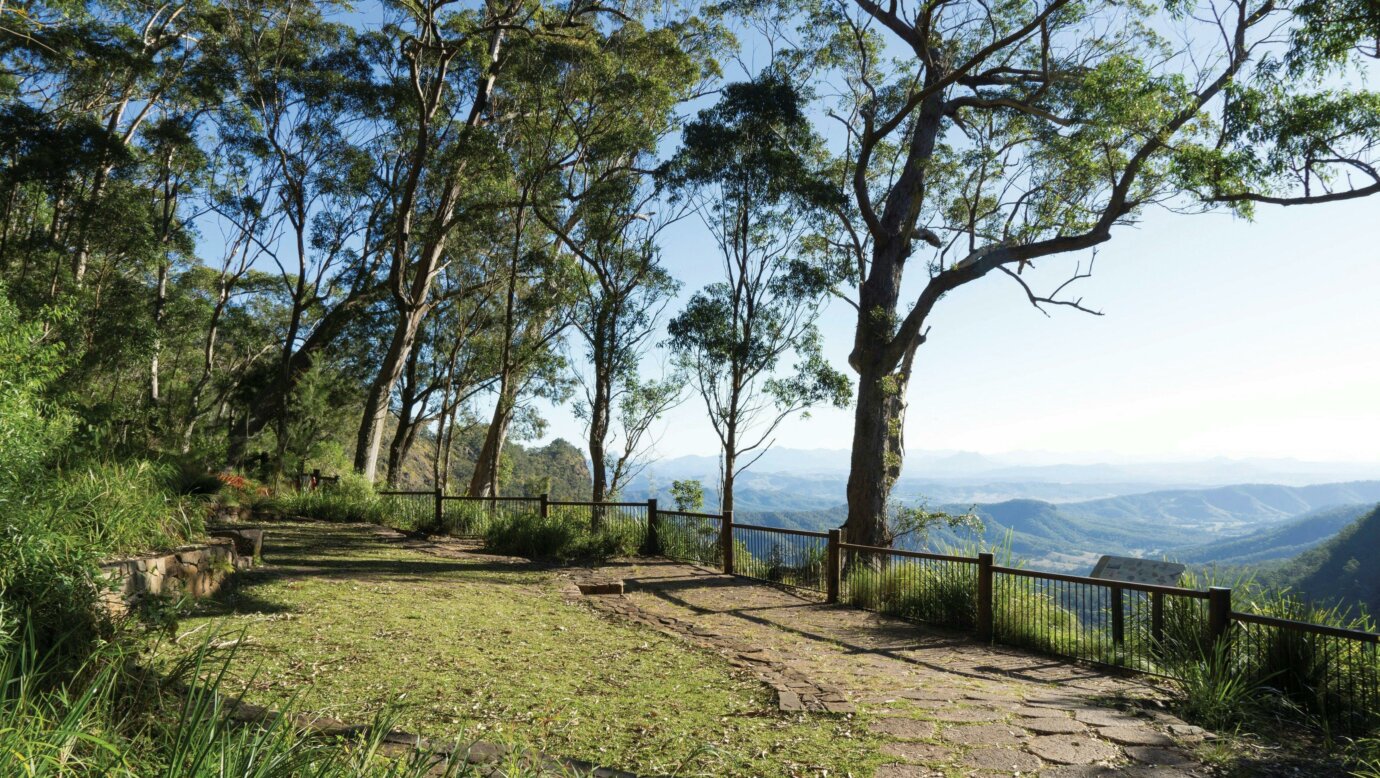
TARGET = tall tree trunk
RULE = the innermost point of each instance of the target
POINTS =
(370, 437)
(599, 413)
(484, 482)
(726, 479)
(875, 463)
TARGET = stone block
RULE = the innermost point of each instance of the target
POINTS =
(601, 587)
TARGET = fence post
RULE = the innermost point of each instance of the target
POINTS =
(545, 503)
(652, 545)
(1219, 614)
(440, 511)
(726, 541)
(984, 598)
(833, 571)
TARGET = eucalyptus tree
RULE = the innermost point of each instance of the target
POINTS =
(752, 166)
(982, 139)
(301, 126)
(607, 111)
(535, 305)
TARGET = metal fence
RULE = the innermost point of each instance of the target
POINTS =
(627, 520)
(411, 508)
(913, 585)
(1143, 627)
(789, 557)
(687, 536)
(1330, 672)
(470, 517)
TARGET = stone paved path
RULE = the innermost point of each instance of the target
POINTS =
(944, 704)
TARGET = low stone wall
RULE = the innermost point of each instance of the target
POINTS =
(198, 570)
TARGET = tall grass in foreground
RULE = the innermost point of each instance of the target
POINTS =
(104, 721)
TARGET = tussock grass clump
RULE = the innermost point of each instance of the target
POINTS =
(351, 499)
(559, 539)
(936, 593)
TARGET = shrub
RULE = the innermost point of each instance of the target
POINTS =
(917, 590)
(351, 499)
(560, 539)
(118, 508)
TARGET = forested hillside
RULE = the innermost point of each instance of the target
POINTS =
(1344, 570)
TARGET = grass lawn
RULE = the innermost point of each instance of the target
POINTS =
(344, 624)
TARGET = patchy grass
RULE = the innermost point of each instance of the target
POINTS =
(345, 624)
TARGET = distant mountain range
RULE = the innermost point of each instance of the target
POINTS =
(923, 467)
(1234, 524)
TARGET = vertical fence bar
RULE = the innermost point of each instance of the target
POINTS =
(833, 571)
(1156, 620)
(726, 541)
(545, 506)
(984, 598)
(1219, 614)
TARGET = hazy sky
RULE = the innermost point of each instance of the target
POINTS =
(1220, 337)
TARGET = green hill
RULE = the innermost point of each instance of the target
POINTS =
(1343, 570)
(1280, 541)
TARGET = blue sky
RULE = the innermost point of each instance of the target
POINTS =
(1221, 337)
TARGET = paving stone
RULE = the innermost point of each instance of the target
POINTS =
(1072, 749)
(898, 727)
(1165, 757)
(961, 715)
(917, 752)
(1136, 736)
(839, 707)
(1051, 725)
(983, 735)
(1007, 760)
(789, 701)
(1102, 717)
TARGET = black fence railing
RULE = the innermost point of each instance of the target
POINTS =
(470, 517)
(1168, 631)
(1151, 629)
(686, 536)
(789, 557)
(628, 520)
(415, 508)
(912, 585)
(1331, 672)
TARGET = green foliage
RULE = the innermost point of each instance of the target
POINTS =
(1213, 691)
(559, 538)
(351, 499)
(915, 590)
(105, 721)
(688, 495)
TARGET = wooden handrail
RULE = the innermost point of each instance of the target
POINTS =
(972, 560)
(1176, 591)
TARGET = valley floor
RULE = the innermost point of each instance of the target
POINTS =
(675, 677)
